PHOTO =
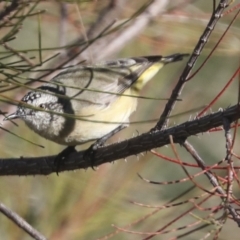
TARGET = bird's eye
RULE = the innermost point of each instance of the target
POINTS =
(42, 105)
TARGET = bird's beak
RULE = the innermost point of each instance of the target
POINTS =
(11, 116)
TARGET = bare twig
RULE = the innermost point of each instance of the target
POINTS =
(71, 55)
(20, 55)
(153, 10)
(228, 158)
(21, 223)
(196, 52)
(12, 7)
(177, 218)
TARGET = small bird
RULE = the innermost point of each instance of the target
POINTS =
(88, 103)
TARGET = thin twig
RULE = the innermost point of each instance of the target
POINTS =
(153, 10)
(21, 222)
(228, 158)
(20, 55)
(12, 7)
(196, 52)
(77, 51)
(213, 180)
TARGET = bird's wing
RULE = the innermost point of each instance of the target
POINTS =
(100, 84)
(97, 86)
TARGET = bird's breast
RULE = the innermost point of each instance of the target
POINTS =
(102, 120)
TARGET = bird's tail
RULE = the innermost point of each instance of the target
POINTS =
(174, 58)
(163, 59)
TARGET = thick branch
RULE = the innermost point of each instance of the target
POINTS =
(133, 146)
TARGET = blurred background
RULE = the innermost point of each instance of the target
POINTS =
(85, 204)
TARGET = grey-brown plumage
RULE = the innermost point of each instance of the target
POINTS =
(92, 96)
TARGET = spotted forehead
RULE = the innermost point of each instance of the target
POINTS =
(31, 96)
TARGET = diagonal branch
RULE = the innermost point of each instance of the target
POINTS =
(213, 181)
(154, 9)
(21, 222)
(133, 146)
(76, 53)
(12, 7)
(196, 52)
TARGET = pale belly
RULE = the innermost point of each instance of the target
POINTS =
(103, 122)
